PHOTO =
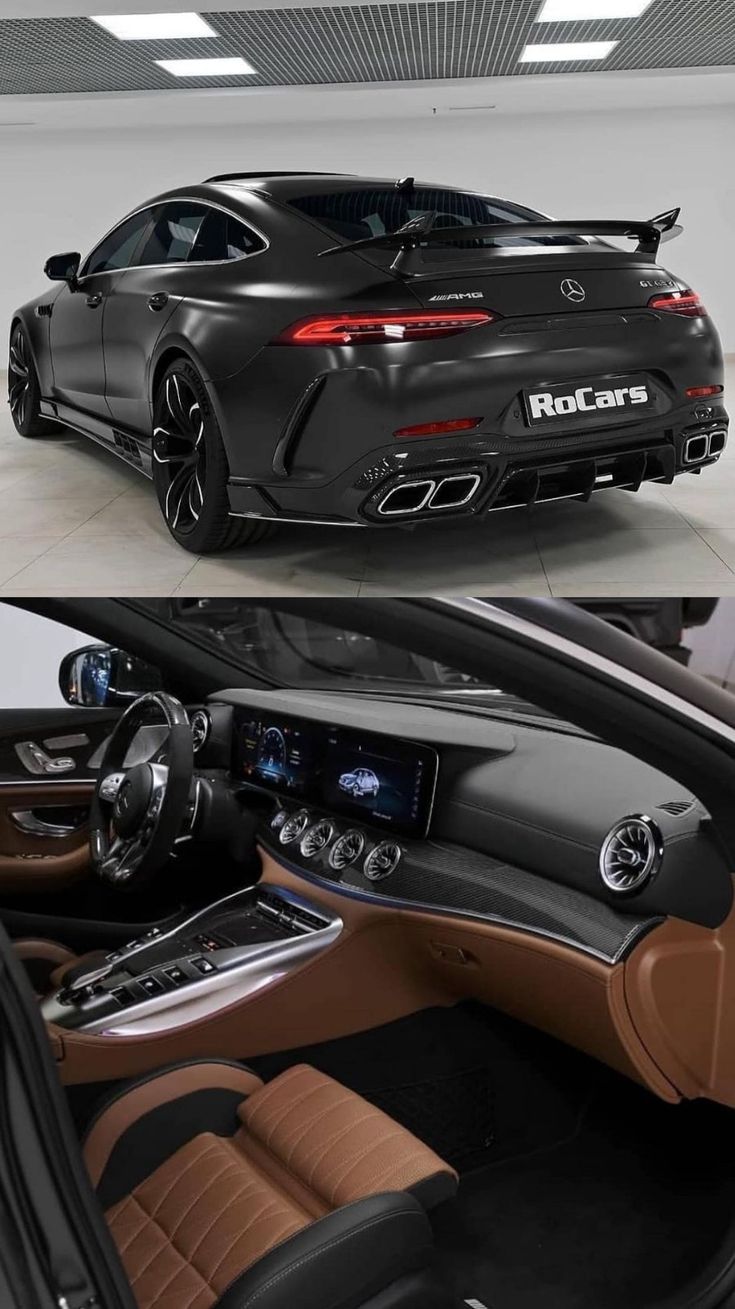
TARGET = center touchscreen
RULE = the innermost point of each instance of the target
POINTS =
(380, 779)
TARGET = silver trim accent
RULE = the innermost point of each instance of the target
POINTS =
(696, 459)
(382, 860)
(444, 911)
(719, 432)
(310, 522)
(624, 869)
(242, 971)
(432, 484)
(26, 821)
(199, 263)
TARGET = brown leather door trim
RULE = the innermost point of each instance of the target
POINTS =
(30, 862)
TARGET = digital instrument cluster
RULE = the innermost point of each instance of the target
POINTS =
(380, 779)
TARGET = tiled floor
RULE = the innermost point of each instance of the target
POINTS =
(73, 520)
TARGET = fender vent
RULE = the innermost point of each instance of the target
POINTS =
(676, 807)
(631, 854)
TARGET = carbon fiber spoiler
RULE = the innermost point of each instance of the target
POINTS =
(421, 231)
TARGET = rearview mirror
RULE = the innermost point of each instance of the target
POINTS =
(63, 268)
(101, 676)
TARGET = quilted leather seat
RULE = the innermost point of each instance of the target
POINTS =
(221, 1191)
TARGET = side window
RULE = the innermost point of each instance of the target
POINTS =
(176, 228)
(117, 249)
(222, 237)
(32, 682)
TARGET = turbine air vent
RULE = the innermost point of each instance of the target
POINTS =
(676, 807)
(631, 854)
(382, 860)
(200, 724)
(346, 849)
(316, 838)
(294, 827)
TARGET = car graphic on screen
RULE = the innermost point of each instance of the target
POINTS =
(360, 782)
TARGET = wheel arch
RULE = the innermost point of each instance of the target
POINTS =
(178, 347)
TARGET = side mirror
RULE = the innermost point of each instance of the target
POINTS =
(63, 268)
(101, 676)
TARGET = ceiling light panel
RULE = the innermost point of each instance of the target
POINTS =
(557, 52)
(207, 67)
(588, 11)
(154, 27)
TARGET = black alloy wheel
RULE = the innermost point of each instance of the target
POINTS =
(190, 467)
(24, 393)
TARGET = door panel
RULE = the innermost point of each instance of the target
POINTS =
(36, 860)
(131, 328)
(76, 344)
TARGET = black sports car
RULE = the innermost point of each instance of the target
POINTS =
(335, 349)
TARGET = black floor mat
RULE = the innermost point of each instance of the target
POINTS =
(579, 1189)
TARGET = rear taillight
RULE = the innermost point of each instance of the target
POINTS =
(376, 328)
(686, 303)
(700, 392)
(439, 429)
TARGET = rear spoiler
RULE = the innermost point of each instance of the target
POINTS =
(421, 231)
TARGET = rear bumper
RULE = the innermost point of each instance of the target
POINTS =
(452, 479)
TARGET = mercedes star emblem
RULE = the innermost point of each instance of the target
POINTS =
(573, 290)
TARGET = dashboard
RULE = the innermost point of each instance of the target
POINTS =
(433, 808)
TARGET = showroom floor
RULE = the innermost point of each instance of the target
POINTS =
(73, 520)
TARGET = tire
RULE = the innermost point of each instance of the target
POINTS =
(24, 393)
(190, 467)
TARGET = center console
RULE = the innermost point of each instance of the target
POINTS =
(217, 956)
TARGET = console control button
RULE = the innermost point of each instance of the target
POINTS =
(204, 966)
(176, 975)
(151, 985)
(122, 994)
(210, 942)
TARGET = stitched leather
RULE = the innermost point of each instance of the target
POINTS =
(218, 1205)
(337, 1144)
(197, 1223)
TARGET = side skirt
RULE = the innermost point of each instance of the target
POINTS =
(133, 450)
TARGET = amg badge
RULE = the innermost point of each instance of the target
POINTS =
(565, 401)
(459, 295)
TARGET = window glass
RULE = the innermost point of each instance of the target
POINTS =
(222, 237)
(30, 680)
(176, 228)
(373, 211)
(117, 249)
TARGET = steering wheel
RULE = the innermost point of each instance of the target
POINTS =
(138, 812)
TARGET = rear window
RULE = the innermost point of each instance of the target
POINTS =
(359, 213)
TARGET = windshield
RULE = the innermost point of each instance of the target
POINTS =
(372, 211)
(290, 650)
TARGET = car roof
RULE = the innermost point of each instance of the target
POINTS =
(285, 185)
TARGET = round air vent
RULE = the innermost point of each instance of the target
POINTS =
(316, 838)
(346, 849)
(200, 724)
(294, 827)
(382, 860)
(631, 854)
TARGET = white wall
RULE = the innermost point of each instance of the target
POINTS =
(62, 190)
(31, 649)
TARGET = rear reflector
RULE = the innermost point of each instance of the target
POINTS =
(699, 392)
(686, 303)
(374, 327)
(438, 429)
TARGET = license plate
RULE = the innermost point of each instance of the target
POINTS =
(607, 398)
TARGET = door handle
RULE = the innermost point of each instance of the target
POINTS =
(29, 822)
(94, 301)
(157, 301)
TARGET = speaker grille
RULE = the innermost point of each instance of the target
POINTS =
(631, 854)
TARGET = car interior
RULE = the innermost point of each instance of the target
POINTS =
(367, 978)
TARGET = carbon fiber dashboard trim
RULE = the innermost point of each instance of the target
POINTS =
(438, 877)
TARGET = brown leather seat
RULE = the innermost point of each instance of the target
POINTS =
(47, 963)
(204, 1172)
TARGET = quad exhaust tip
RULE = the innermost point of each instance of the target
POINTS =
(704, 446)
(452, 492)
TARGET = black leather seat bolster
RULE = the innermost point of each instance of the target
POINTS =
(341, 1262)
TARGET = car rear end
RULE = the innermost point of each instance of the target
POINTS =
(488, 374)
